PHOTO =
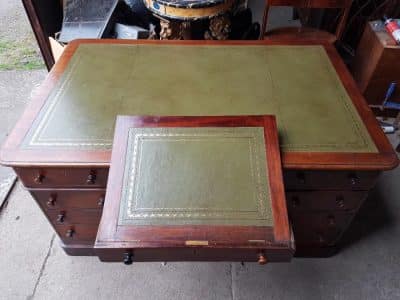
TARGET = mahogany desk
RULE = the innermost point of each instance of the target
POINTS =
(332, 147)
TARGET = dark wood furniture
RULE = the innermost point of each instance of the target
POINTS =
(46, 18)
(188, 10)
(377, 64)
(177, 17)
(179, 192)
(299, 33)
(61, 147)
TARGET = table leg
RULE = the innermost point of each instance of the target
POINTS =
(174, 30)
(219, 29)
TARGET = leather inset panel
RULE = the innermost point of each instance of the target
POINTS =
(209, 175)
(298, 84)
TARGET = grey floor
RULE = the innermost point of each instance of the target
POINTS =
(33, 266)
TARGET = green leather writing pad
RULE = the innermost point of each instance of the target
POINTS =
(298, 84)
(207, 175)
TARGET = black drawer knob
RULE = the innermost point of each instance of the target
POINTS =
(39, 178)
(128, 258)
(51, 202)
(61, 217)
(70, 233)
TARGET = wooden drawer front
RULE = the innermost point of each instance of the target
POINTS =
(63, 177)
(66, 199)
(388, 65)
(321, 229)
(376, 90)
(329, 180)
(74, 216)
(319, 238)
(72, 234)
(299, 201)
(193, 254)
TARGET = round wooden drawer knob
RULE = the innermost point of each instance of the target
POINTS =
(340, 201)
(52, 201)
(301, 177)
(70, 233)
(353, 179)
(91, 179)
(61, 217)
(331, 221)
(100, 203)
(39, 178)
(321, 238)
(295, 201)
(262, 260)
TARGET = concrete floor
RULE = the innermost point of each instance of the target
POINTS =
(33, 266)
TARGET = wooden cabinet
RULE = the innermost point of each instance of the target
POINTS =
(377, 64)
(45, 17)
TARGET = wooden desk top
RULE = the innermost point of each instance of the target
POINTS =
(323, 121)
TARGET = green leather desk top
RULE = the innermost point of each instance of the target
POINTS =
(298, 84)
(182, 176)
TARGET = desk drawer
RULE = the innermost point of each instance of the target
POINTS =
(329, 180)
(56, 199)
(321, 228)
(74, 216)
(193, 254)
(294, 179)
(72, 234)
(63, 177)
(298, 201)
